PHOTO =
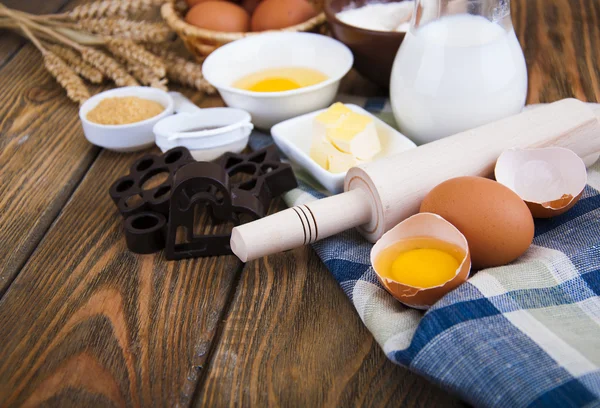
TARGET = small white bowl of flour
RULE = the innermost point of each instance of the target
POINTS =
(375, 16)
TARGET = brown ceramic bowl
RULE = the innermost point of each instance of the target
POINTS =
(374, 51)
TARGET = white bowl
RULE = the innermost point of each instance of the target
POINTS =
(206, 133)
(294, 137)
(130, 137)
(235, 60)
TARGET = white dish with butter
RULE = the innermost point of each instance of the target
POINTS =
(294, 138)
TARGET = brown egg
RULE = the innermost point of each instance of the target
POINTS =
(192, 3)
(219, 16)
(496, 222)
(250, 5)
(276, 14)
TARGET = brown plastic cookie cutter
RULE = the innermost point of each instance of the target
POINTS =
(145, 232)
(269, 176)
(208, 185)
(128, 192)
(199, 187)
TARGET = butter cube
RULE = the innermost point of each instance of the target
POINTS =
(343, 139)
(356, 135)
(341, 162)
(331, 159)
(319, 153)
(331, 117)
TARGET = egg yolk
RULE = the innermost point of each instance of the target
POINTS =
(280, 79)
(424, 268)
(274, 85)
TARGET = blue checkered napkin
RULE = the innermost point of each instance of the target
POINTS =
(522, 335)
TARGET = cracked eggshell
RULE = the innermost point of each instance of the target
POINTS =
(423, 225)
(550, 180)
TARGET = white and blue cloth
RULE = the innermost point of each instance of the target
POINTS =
(522, 335)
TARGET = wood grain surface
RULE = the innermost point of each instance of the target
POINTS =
(561, 42)
(293, 339)
(43, 156)
(99, 324)
(84, 322)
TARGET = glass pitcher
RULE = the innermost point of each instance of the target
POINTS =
(460, 66)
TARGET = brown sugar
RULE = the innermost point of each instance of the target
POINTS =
(124, 110)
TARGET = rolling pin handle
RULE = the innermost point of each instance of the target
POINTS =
(300, 225)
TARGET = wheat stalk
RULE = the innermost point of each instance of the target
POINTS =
(76, 90)
(108, 66)
(69, 50)
(107, 8)
(76, 63)
(141, 31)
(146, 76)
(183, 71)
(68, 79)
(104, 63)
(136, 54)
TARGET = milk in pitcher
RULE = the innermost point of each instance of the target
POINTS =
(455, 73)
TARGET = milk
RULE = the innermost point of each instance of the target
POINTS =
(454, 74)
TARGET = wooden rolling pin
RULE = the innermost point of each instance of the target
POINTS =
(381, 194)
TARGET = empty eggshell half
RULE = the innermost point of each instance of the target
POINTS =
(550, 180)
(423, 225)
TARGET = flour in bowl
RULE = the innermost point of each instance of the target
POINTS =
(379, 16)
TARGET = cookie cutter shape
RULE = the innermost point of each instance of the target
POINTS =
(145, 232)
(269, 176)
(204, 186)
(128, 192)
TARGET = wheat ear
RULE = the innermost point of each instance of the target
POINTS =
(182, 71)
(108, 66)
(146, 76)
(108, 8)
(73, 85)
(76, 63)
(140, 31)
(76, 90)
(136, 54)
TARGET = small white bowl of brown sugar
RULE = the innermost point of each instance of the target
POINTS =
(122, 119)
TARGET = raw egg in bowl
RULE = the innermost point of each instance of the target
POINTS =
(278, 76)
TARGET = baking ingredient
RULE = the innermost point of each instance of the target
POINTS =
(219, 16)
(495, 221)
(455, 74)
(425, 266)
(379, 16)
(335, 161)
(124, 110)
(343, 139)
(280, 79)
(550, 180)
(421, 259)
(276, 14)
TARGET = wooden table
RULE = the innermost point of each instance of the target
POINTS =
(84, 322)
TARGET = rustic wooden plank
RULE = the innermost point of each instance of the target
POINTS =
(293, 339)
(88, 323)
(43, 156)
(561, 40)
(11, 42)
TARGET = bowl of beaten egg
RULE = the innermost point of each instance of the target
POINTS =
(278, 76)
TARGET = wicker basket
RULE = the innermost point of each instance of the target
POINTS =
(201, 42)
